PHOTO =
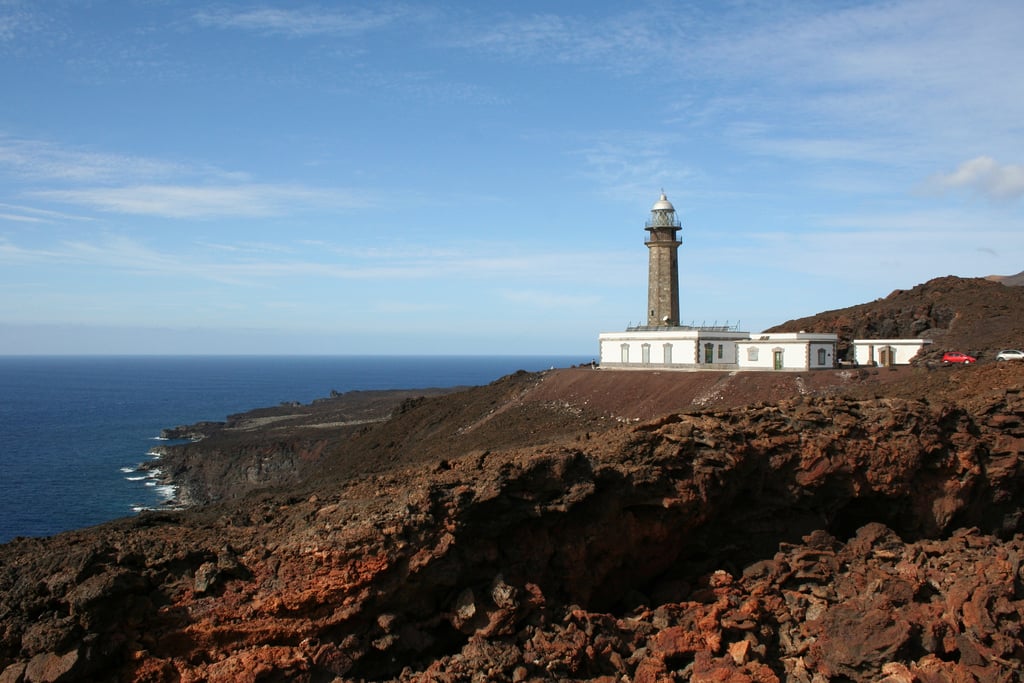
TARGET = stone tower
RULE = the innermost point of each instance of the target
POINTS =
(663, 271)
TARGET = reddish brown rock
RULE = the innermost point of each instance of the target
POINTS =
(820, 537)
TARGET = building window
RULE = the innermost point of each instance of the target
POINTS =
(645, 353)
(821, 356)
(752, 353)
(668, 354)
(709, 353)
(777, 361)
(720, 351)
(624, 351)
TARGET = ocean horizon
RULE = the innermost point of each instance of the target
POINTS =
(74, 430)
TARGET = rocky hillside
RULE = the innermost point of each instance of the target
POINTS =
(1008, 280)
(285, 445)
(847, 532)
(978, 316)
(576, 524)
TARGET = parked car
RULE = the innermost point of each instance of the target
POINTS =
(1010, 354)
(957, 357)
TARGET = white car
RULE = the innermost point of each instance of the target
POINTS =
(1010, 354)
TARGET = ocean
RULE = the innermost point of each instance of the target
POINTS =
(74, 430)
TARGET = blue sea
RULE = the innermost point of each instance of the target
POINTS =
(73, 430)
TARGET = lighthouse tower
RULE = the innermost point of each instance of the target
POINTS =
(663, 270)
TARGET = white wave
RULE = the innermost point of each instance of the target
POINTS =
(129, 469)
(167, 492)
(151, 483)
(154, 454)
(137, 478)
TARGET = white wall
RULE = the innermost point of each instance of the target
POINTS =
(868, 351)
(794, 355)
(687, 348)
(799, 351)
(682, 351)
(830, 356)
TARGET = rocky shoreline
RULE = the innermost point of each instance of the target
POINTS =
(567, 525)
(257, 449)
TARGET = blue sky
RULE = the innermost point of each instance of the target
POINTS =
(448, 177)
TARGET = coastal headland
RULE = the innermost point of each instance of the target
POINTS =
(862, 524)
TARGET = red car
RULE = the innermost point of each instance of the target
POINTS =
(957, 357)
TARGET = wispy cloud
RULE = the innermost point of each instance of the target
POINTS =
(139, 185)
(32, 214)
(629, 163)
(985, 176)
(622, 43)
(256, 265)
(892, 82)
(184, 201)
(41, 160)
(15, 18)
(296, 23)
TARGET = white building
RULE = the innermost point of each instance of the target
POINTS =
(663, 343)
(886, 352)
(687, 348)
(675, 347)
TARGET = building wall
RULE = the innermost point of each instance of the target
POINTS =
(682, 348)
(800, 351)
(821, 356)
(689, 349)
(796, 355)
(870, 351)
(661, 349)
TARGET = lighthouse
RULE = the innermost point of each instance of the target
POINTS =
(664, 343)
(663, 269)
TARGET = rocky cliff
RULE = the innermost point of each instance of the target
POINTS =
(825, 526)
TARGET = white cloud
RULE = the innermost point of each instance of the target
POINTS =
(987, 177)
(247, 265)
(40, 160)
(184, 201)
(629, 164)
(15, 19)
(898, 83)
(31, 214)
(297, 22)
(138, 185)
(623, 43)
(19, 218)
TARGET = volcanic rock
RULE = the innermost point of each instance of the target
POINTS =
(577, 524)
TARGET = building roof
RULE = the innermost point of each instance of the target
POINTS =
(663, 204)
